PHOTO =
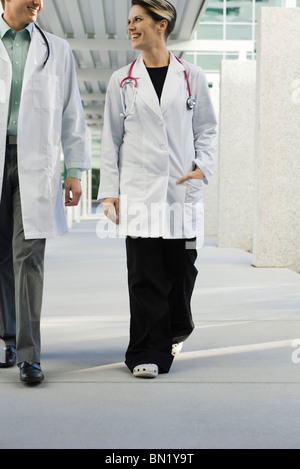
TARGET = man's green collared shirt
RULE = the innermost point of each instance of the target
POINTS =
(17, 45)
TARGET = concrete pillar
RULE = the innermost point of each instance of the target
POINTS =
(236, 153)
(277, 193)
(84, 196)
(210, 191)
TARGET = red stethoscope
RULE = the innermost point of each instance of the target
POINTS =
(130, 80)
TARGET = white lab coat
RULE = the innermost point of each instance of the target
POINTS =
(144, 154)
(50, 115)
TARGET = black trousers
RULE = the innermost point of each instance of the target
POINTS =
(161, 279)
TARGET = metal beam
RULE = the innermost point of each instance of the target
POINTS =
(94, 74)
(210, 45)
(242, 47)
(201, 13)
(95, 122)
(93, 109)
(192, 13)
(92, 96)
(100, 44)
(196, 45)
(50, 20)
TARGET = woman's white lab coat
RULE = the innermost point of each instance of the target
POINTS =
(50, 114)
(144, 154)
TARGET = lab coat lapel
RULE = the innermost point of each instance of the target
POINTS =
(172, 82)
(36, 56)
(146, 89)
(3, 53)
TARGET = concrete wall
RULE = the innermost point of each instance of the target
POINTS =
(236, 154)
(277, 189)
(210, 191)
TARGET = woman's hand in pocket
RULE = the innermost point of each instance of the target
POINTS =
(195, 174)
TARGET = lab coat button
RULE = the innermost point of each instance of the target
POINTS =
(164, 148)
(160, 121)
(165, 173)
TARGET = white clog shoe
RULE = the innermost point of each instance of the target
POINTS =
(176, 348)
(147, 370)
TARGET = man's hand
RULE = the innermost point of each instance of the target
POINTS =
(196, 174)
(111, 209)
(72, 185)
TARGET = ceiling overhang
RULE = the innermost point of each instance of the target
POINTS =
(97, 33)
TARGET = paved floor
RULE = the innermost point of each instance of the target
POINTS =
(235, 385)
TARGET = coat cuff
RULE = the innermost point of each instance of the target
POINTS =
(74, 173)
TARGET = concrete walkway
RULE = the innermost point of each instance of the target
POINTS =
(236, 383)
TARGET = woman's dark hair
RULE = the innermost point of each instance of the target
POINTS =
(159, 10)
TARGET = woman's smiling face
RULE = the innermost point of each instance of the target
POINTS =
(143, 31)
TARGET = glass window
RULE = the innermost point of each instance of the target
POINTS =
(240, 11)
(190, 57)
(271, 3)
(266, 3)
(209, 61)
(229, 20)
(229, 56)
(214, 11)
(211, 31)
(239, 32)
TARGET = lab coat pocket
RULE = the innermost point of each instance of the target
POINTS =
(2, 92)
(54, 169)
(193, 191)
(45, 92)
(133, 184)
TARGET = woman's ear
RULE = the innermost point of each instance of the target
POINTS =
(163, 24)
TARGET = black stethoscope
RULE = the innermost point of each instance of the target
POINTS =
(130, 80)
(46, 41)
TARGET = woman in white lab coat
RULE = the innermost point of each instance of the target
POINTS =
(158, 146)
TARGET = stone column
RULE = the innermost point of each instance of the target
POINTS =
(236, 153)
(277, 191)
(210, 191)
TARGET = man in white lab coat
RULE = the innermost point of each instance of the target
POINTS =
(40, 110)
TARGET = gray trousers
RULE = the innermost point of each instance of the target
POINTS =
(21, 270)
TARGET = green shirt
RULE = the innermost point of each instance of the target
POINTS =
(17, 45)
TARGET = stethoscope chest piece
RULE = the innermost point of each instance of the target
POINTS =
(190, 103)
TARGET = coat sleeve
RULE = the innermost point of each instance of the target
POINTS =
(204, 128)
(112, 138)
(74, 132)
